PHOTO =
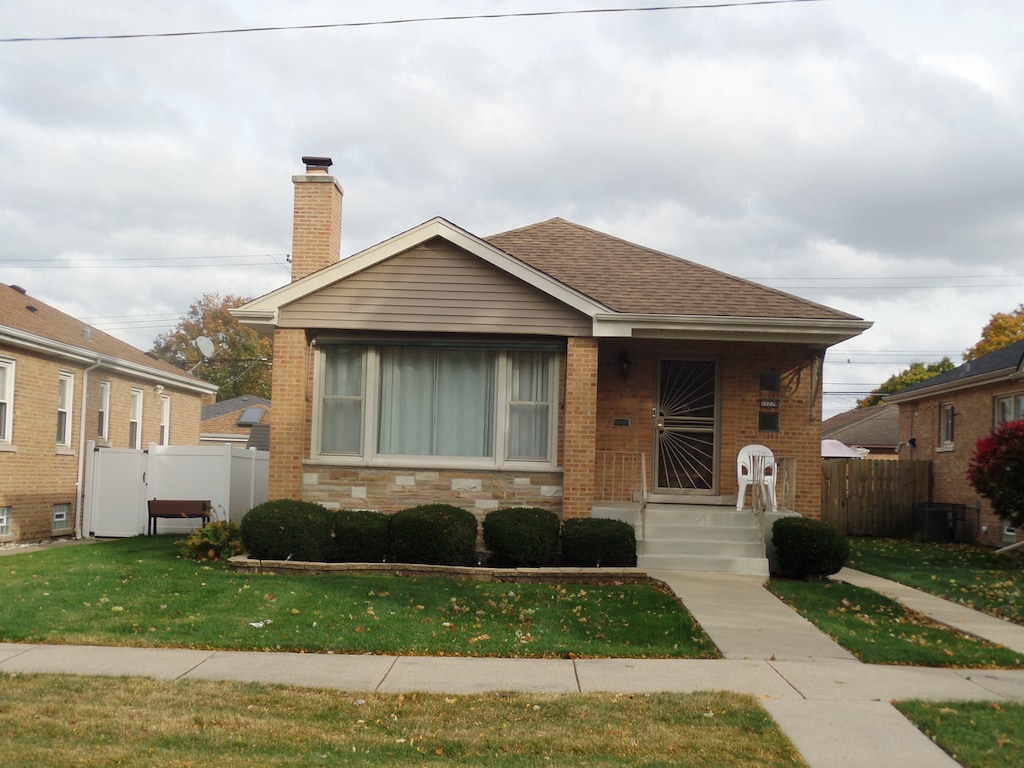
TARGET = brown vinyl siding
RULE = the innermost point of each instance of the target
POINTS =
(439, 288)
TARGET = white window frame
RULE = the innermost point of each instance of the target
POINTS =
(947, 426)
(135, 418)
(7, 401)
(1013, 404)
(369, 397)
(5, 521)
(165, 419)
(65, 409)
(103, 412)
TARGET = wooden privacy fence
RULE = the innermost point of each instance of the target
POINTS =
(873, 498)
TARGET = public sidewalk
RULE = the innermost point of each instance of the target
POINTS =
(834, 709)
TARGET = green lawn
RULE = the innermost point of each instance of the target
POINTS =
(139, 592)
(878, 630)
(976, 734)
(974, 576)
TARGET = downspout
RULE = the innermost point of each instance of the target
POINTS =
(79, 490)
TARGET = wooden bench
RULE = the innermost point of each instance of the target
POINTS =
(174, 508)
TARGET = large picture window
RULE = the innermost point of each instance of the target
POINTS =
(478, 405)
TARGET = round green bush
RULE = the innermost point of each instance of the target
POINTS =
(359, 536)
(589, 542)
(436, 534)
(526, 537)
(288, 529)
(808, 549)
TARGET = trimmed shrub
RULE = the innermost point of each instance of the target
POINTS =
(288, 529)
(436, 534)
(218, 540)
(589, 542)
(522, 536)
(360, 536)
(808, 549)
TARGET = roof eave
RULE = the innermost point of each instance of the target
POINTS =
(935, 390)
(69, 352)
(817, 332)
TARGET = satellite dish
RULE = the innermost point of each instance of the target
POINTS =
(205, 345)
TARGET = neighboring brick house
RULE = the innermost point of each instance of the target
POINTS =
(244, 420)
(63, 383)
(876, 428)
(942, 419)
(439, 366)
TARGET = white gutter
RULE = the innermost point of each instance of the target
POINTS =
(718, 328)
(79, 490)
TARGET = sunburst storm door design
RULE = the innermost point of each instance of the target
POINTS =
(686, 426)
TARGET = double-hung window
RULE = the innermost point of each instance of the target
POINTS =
(165, 419)
(135, 419)
(947, 419)
(1009, 408)
(6, 399)
(65, 393)
(436, 404)
(103, 412)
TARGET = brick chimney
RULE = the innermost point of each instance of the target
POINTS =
(316, 226)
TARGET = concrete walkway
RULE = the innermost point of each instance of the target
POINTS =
(834, 709)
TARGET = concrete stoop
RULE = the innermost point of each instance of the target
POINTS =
(696, 537)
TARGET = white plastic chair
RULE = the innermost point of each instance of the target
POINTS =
(756, 464)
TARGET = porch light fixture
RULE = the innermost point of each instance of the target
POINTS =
(625, 363)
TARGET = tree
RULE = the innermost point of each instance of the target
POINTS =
(997, 470)
(240, 364)
(1003, 329)
(917, 372)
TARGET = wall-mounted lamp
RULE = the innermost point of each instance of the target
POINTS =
(158, 388)
(625, 363)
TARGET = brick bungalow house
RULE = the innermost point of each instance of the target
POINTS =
(942, 419)
(63, 383)
(546, 366)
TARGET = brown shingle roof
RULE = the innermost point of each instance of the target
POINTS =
(22, 312)
(632, 279)
(877, 426)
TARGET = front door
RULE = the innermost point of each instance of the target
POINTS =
(686, 426)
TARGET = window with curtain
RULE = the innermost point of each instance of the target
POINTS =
(481, 404)
(529, 408)
(135, 419)
(341, 411)
(65, 390)
(436, 402)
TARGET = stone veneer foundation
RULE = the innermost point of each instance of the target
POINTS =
(389, 490)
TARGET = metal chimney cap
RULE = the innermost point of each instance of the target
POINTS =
(317, 163)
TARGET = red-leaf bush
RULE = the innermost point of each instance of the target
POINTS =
(997, 470)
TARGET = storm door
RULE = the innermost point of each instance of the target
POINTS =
(686, 426)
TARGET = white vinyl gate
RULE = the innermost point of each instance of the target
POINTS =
(119, 482)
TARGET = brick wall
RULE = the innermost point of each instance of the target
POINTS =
(35, 474)
(289, 431)
(974, 410)
(579, 436)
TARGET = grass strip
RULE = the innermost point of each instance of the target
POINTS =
(139, 592)
(975, 734)
(51, 720)
(879, 630)
(977, 577)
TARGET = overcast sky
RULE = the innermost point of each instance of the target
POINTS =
(866, 154)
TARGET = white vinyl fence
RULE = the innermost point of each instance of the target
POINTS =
(120, 481)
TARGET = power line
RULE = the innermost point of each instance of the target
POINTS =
(392, 22)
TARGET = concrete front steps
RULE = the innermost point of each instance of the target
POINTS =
(700, 537)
